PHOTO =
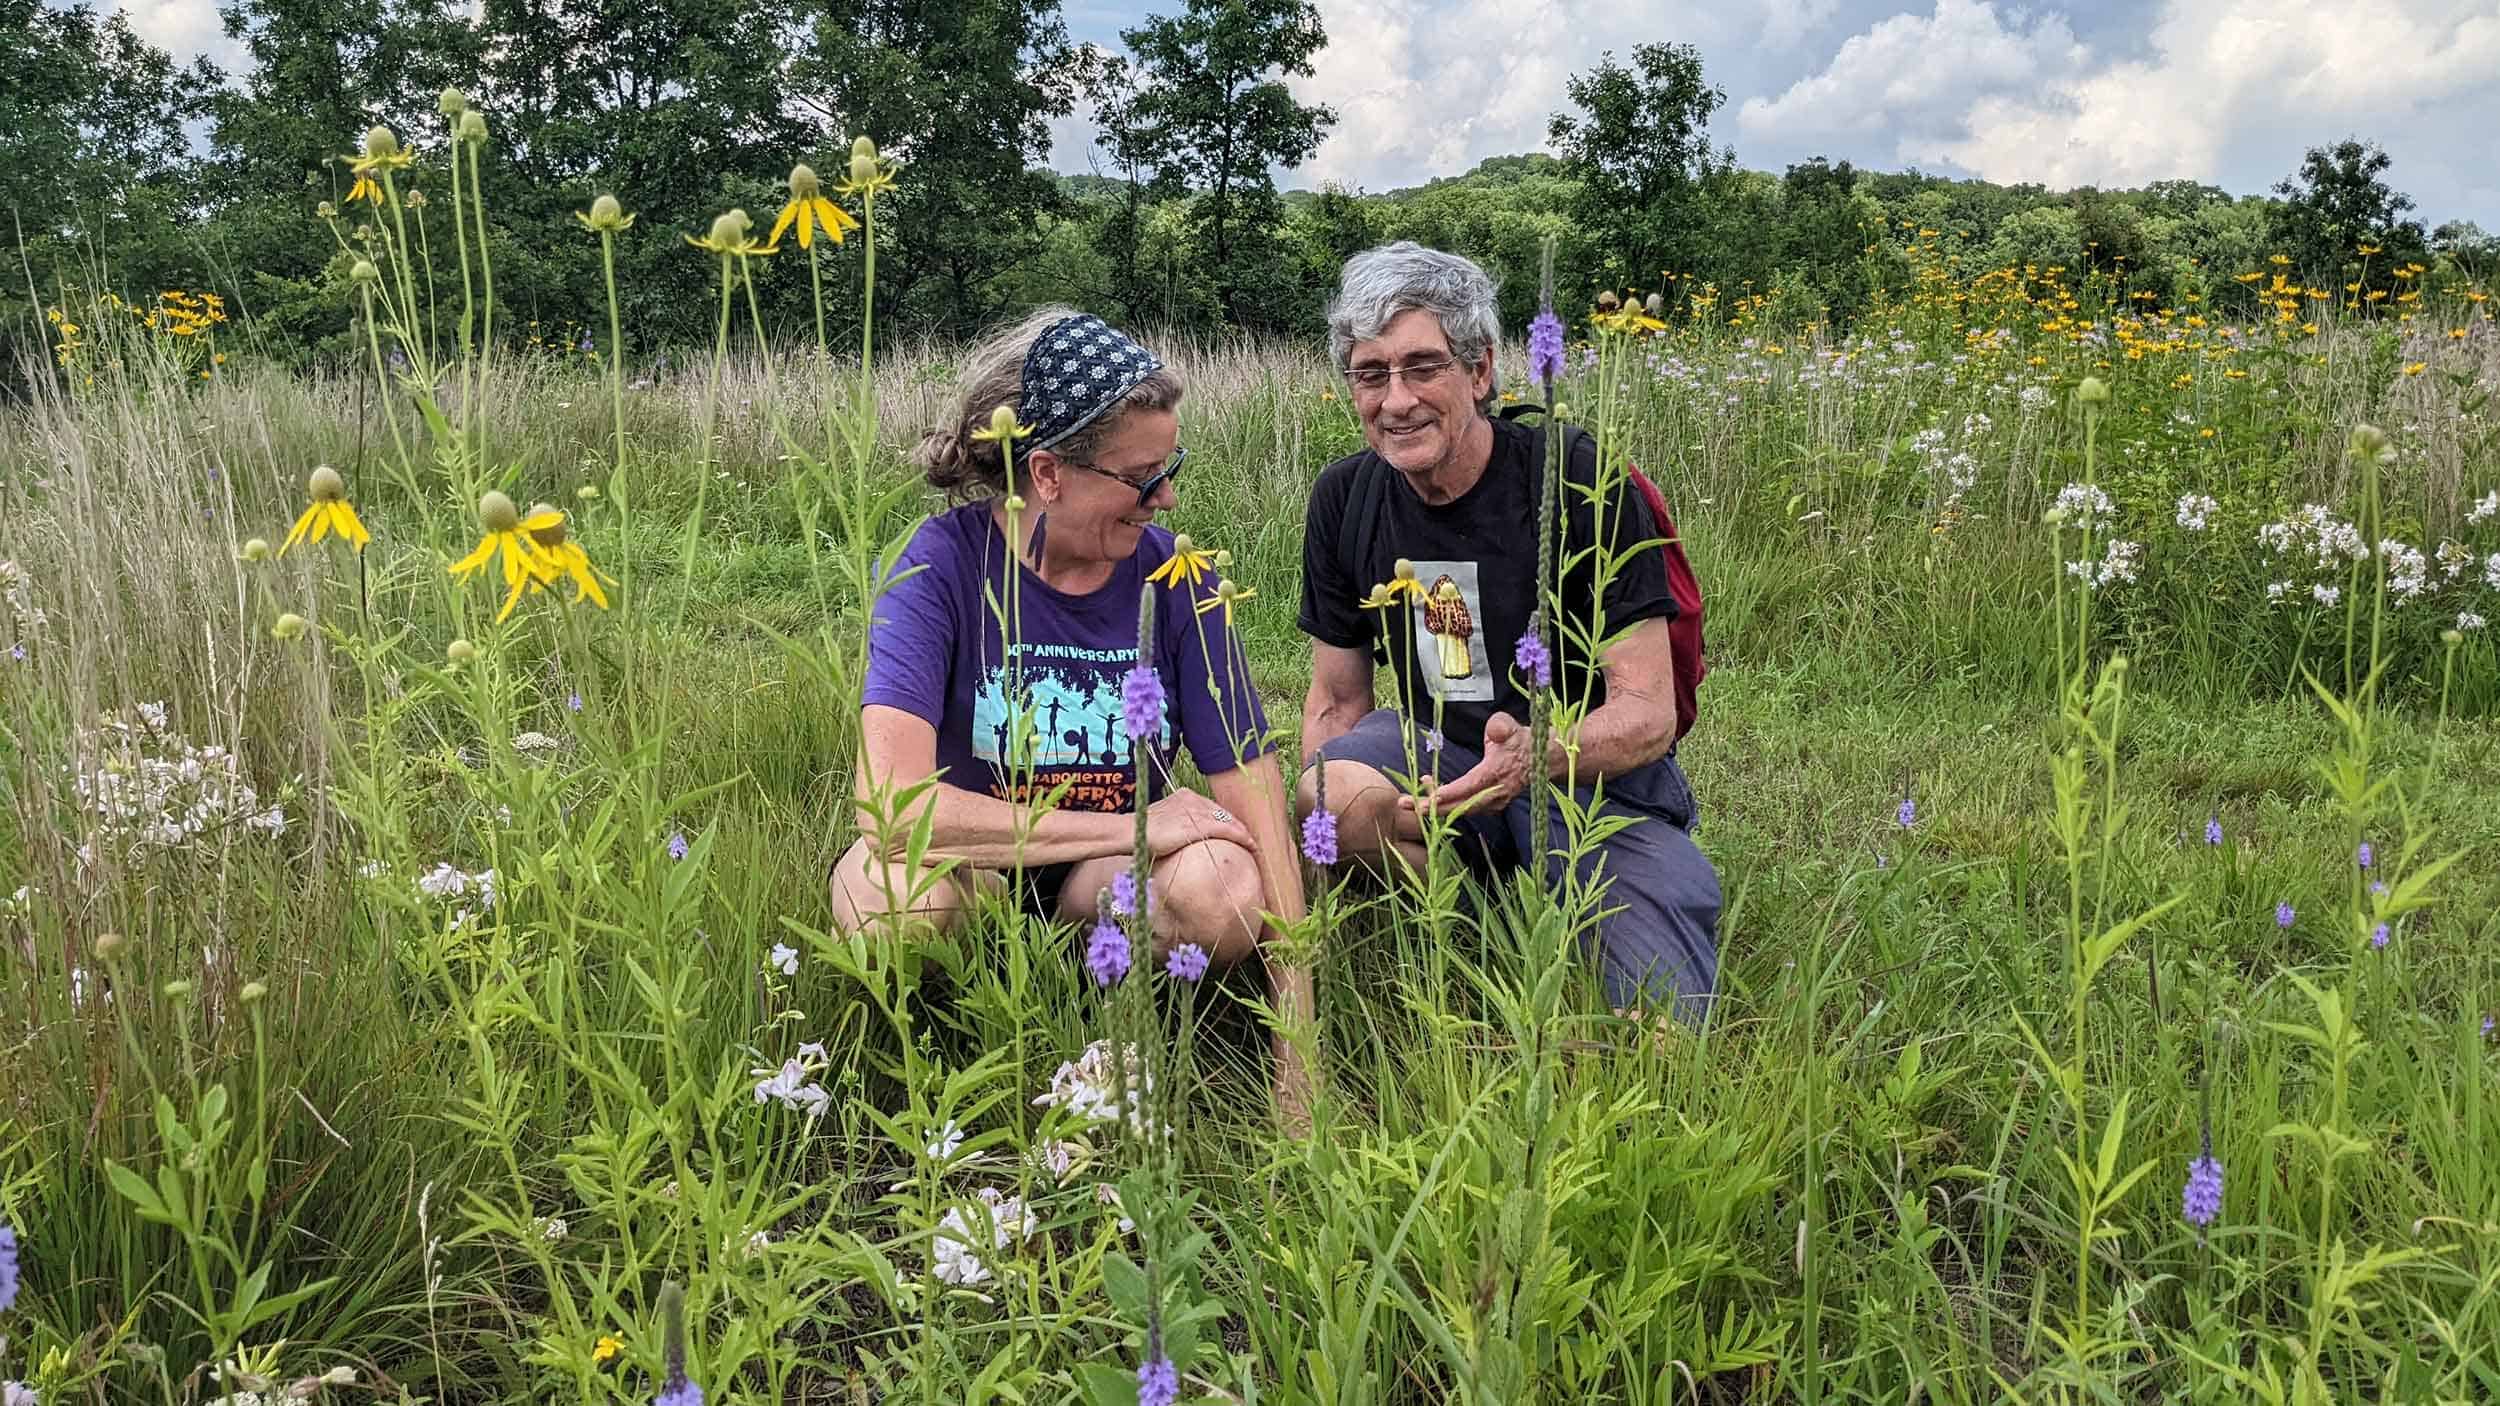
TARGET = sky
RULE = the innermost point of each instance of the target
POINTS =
(2102, 92)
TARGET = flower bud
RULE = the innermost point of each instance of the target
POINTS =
(379, 142)
(2368, 441)
(325, 485)
(414, 200)
(731, 229)
(2092, 391)
(459, 652)
(587, 493)
(1014, 503)
(473, 127)
(863, 162)
(289, 626)
(452, 103)
(803, 182)
(1223, 557)
(607, 214)
(2452, 636)
(495, 512)
(256, 549)
(326, 210)
(363, 271)
(1003, 424)
(252, 992)
(108, 946)
(2054, 517)
(177, 990)
(1655, 303)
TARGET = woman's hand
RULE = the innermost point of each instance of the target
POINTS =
(1184, 818)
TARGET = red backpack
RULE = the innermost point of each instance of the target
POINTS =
(1683, 632)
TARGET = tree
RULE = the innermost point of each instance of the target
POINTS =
(1640, 151)
(963, 93)
(2338, 201)
(1213, 94)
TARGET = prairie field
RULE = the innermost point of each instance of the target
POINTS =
(411, 1002)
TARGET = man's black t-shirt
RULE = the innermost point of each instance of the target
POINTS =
(1484, 542)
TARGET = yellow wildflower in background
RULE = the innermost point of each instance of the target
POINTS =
(809, 208)
(1187, 563)
(329, 512)
(870, 174)
(503, 528)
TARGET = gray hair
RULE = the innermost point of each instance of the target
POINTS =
(1380, 283)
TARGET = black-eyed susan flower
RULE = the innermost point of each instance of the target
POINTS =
(732, 234)
(870, 173)
(1187, 563)
(808, 208)
(564, 554)
(503, 528)
(328, 512)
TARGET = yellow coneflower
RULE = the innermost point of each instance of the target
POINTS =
(329, 512)
(382, 152)
(1187, 563)
(1228, 593)
(503, 528)
(869, 174)
(1402, 581)
(732, 233)
(564, 554)
(809, 208)
(1003, 427)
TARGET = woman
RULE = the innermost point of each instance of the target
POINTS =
(1059, 542)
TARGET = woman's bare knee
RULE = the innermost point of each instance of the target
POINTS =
(1210, 894)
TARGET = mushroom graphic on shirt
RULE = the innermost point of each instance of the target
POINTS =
(1446, 618)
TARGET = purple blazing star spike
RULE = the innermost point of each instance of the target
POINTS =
(677, 844)
(1432, 742)
(573, 701)
(1187, 962)
(2378, 937)
(1106, 953)
(2283, 914)
(1319, 837)
(2363, 854)
(1124, 894)
(1908, 814)
(1141, 702)
(1158, 1382)
(2213, 830)
(679, 1392)
(1545, 348)
(2488, 1022)
(8, 1267)
(1535, 662)
(2201, 1199)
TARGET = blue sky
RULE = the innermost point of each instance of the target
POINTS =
(2107, 92)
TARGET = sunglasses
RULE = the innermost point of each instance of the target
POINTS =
(1145, 486)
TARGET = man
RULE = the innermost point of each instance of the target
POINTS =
(1447, 494)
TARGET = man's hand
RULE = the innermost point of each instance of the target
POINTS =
(1183, 818)
(1493, 783)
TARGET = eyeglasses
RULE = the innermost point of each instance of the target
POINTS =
(1372, 379)
(1145, 486)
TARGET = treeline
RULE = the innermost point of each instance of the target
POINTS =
(123, 172)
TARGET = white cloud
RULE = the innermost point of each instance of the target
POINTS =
(184, 28)
(1914, 77)
(2226, 91)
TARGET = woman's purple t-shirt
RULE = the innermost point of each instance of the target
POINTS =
(936, 651)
